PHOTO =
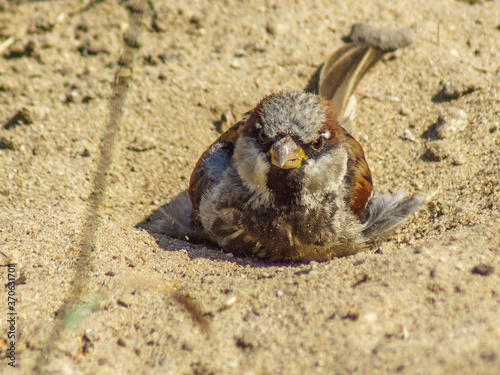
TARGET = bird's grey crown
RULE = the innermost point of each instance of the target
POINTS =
(293, 113)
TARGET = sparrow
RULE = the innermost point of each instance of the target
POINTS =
(287, 182)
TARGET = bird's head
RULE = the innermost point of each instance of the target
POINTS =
(291, 142)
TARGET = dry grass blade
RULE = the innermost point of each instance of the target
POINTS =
(82, 266)
(194, 311)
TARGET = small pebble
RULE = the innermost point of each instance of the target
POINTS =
(451, 121)
(22, 116)
(227, 118)
(151, 59)
(159, 23)
(230, 301)
(187, 346)
(458, 159)
(39, 26)
(240, 53)
(22, 48)
(92, 47)
(196, 19)
(6, 144)
(408, 135)
(436, 152)
(276, 28)
(247, 341)
(72, 97)
(349, 314)
(386, 40)
(453, 89)
(405, 111)
(482, 269)
(122, 302)
(417, 184)
(370, 317)
(90, 335)
(235, 64)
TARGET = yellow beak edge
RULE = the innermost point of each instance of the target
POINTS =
(286, 154)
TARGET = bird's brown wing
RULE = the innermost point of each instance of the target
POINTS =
(358, 178)
(339, 77)
(213, 163)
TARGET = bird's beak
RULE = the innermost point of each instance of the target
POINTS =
(286, 154)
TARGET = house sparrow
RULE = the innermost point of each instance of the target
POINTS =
(288, 182)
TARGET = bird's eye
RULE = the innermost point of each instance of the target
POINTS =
(318, 143)
(262, 137)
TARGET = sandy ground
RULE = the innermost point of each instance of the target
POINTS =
(425, 302)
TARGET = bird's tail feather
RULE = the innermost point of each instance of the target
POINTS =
(341, 74)
(174, 219)
(387, 212)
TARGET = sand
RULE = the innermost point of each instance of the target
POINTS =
(425, 302)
